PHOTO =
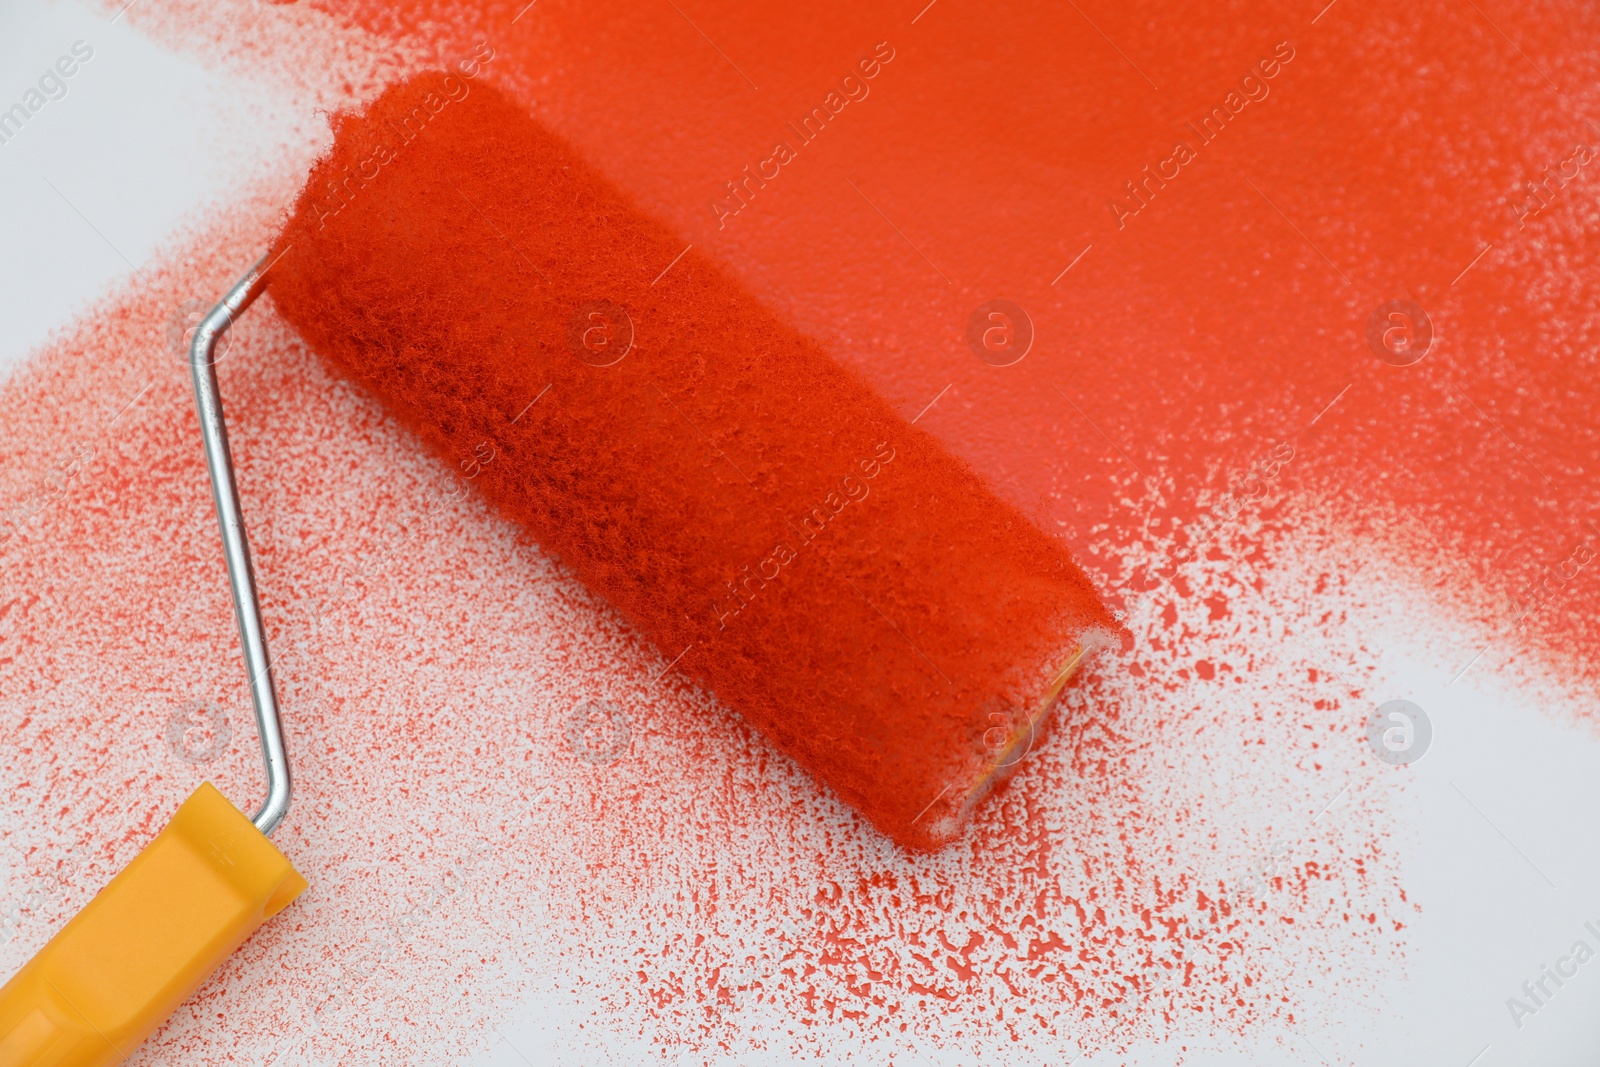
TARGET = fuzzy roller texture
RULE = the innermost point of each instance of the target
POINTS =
(821, 565)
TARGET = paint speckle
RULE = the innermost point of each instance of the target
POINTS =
(1189, 860)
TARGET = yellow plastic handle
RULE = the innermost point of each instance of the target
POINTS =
(147, 940)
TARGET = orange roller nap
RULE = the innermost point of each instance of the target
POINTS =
(801, 550)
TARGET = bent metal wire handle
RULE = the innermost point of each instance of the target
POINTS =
(236, 547)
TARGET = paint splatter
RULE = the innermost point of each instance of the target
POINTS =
(1200, 856)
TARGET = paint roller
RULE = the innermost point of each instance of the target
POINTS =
(784, 538)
